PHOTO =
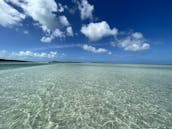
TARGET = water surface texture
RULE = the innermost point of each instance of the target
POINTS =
(86, 96)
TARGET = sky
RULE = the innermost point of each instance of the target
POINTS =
(118, 31)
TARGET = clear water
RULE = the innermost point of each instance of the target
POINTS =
(86, 96)
(13, 65)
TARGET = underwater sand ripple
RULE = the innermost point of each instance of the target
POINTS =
(85, 96)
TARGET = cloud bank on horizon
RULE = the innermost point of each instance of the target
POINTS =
(29, 54)
(49, 16)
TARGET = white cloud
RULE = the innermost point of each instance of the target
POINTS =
(137, 35)
(43, 12)
(134, 42)
(96, 31)
(47, 39)
(63, 20)
(86, 10)
(69, 31)
(28, 55)
(9, 16)
(95, 50)
(47, 15)
(51, 54)
(57, 33)
(61, 8)
(40, 11)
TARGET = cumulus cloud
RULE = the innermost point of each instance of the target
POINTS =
(61, 7)
(9, 16)
(47, 39)
(86, 10)
(45, 13)
(95, 50)
(28, 55)
(137, 35)
(133, 42)
(57, 33)
(39, 10)
(96, 31)
(69, 31)
(49, 16)
(64, 21)
(51, 54)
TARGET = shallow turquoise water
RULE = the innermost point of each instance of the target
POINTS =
(13, 65)
(86, 96)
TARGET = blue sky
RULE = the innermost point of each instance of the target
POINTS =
(120, 31)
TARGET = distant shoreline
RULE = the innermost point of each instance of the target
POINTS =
(94, 62)
(6, 60)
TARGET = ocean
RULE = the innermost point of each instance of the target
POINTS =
(85, 96)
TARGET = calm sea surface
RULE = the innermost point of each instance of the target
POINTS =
(85, 96)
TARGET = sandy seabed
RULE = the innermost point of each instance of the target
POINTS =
(86, 96)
